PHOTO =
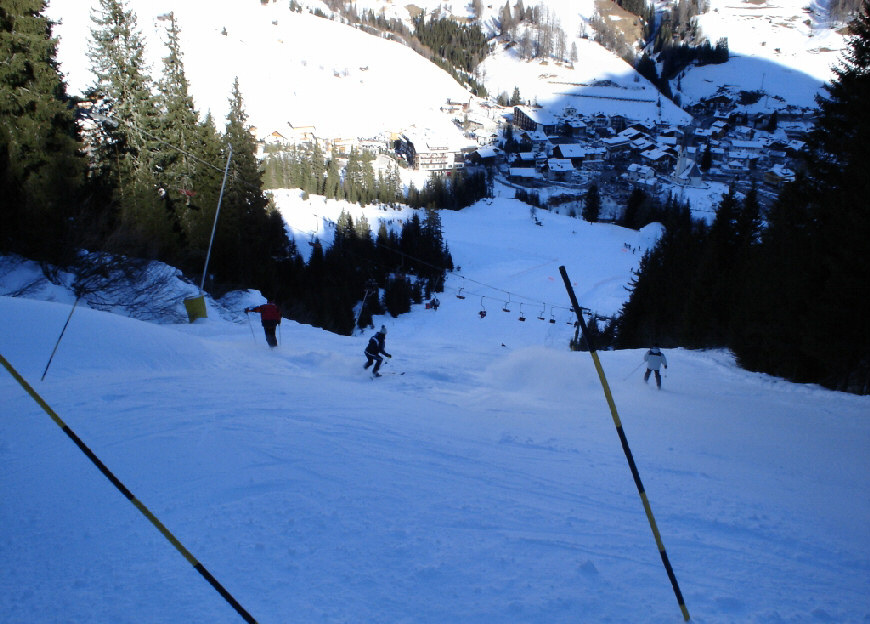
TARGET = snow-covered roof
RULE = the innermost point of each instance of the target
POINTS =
(573, 150)
(560, 165)
(524, 172)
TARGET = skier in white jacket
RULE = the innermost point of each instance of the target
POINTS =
(655, 359)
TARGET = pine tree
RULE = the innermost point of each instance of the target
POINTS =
(706, 159)
(126, 143)
(637, 209)
(506, 21)
(710, 302)
(592, 204)
(353, 177)
(248, 241)
(180, 158)
(206, 186)
(40, 169)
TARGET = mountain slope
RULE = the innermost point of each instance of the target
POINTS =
(486, 484)
(293, 67)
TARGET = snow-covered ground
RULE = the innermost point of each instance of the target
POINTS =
(293, 68)
(557, 86)
(486, 484)
(777, 47)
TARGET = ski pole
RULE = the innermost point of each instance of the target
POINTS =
(633, 372)
(59, 338)
(251, 325)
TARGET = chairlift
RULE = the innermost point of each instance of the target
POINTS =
(459, 295)
(507, 304)
(572, 320)
(552, 317)
(522, 316)
(482, 309)
(543, 310)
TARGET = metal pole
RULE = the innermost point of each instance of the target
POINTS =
(625, 447)
(216, 214)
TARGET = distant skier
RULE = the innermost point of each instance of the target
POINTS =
(270, 317)
(655, 359)
(375, 349)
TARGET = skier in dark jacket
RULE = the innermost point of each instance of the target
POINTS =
(654, 359)
(374, 350)
(270, 317)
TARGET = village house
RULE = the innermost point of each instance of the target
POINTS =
(524, 174)
(753, 148)
(719, 129)
(559, 169)
(525, 159)
(614, 146)
(300, 135)
(535, 119)
(619, 122)
(485, 137)
(486, 155)
(595, 155)
(341, 146)
(659, 159)
(669, 131)
(778, 175)
(273, 138)
(454, 106)
(573, 151)
(427, 153)
(535, 137)
(598, 121)
(641, 144)
(573, 128)
(640, 174)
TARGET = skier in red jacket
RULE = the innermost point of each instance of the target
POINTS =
(270, 317)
